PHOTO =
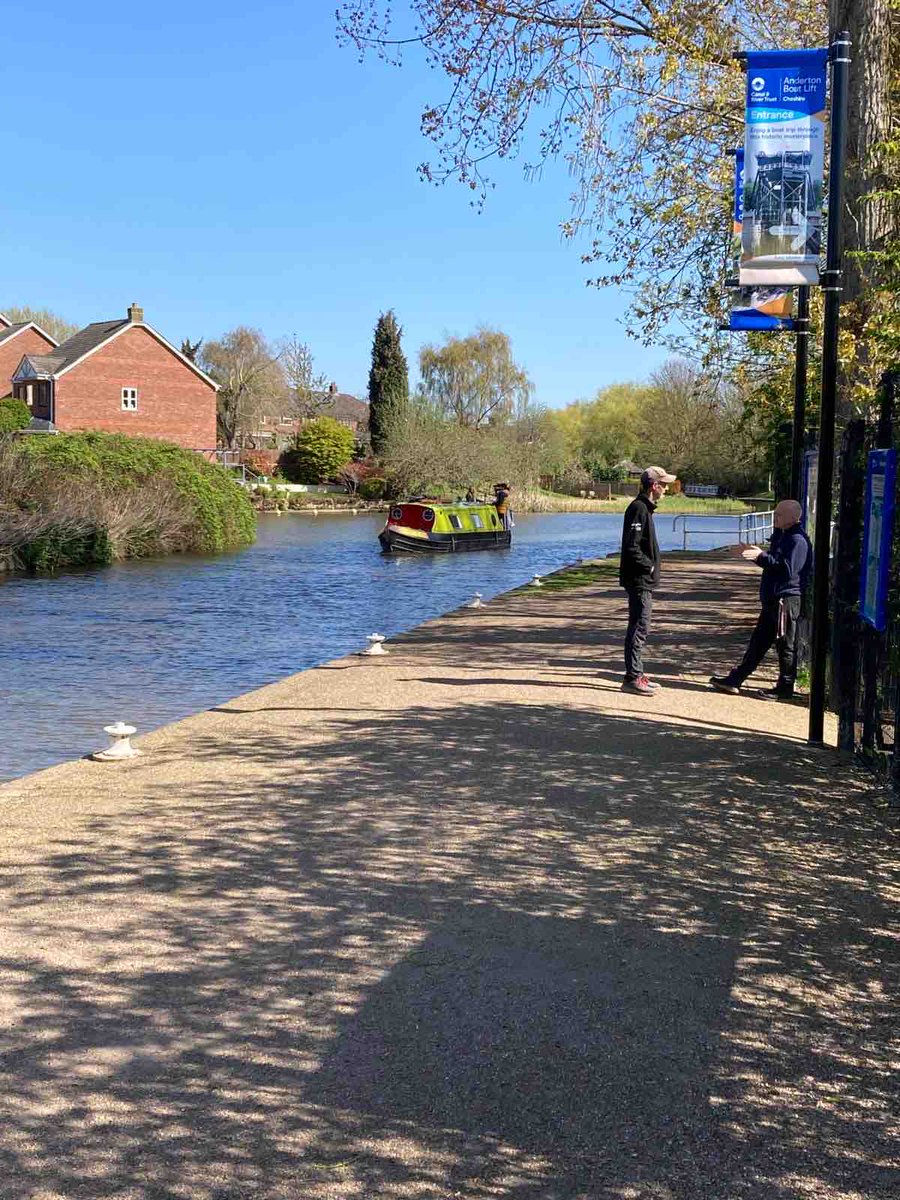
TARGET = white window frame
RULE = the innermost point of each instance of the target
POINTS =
(129, 399)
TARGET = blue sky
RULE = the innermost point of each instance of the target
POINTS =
(224, 165)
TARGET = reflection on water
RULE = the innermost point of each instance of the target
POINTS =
(150, 642)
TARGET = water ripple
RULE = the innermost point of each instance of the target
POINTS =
(150, 642)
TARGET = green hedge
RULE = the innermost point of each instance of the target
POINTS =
(222, 516)
(14, 414)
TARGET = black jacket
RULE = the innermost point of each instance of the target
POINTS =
(786, 566)
(639, 564)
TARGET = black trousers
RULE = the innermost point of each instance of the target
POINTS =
(766, 634)
(640, 608)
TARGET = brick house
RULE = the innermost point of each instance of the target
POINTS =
(16, 339)
(277, 431)
(119, 377)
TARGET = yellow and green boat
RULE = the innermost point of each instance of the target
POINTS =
(432, 527)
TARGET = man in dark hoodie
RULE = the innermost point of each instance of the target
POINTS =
(639, 575)
(786, 570)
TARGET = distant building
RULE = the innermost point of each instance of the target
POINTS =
(119, 377)
(16, 339)
(278, 430)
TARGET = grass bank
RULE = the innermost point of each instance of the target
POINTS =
(84, 499)
(534, 500)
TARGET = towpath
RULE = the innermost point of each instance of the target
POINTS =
(464, 921)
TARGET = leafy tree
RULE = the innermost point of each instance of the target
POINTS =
(641, 99)
(56, 326)
(251, 382)
(191, 349)
(679, 418)
(388, 379)
(320, 450)
(473, 380)
(694, 424)
(14, 414)
(605, 430)
(870, 217)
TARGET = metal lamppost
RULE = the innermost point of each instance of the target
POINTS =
(831, 285)
(801, 359)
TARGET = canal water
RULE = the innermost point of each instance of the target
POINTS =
(149, 642)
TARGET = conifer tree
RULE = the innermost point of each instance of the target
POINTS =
(388, 379)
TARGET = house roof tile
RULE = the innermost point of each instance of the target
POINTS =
(344, 407)
(9, 331)
(81, 343)
(45, 364)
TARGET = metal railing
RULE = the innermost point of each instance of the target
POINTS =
(749, 528)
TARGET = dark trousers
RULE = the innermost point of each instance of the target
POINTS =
(766, 634)
(640, 607)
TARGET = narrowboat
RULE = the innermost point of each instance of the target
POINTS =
(433, 527)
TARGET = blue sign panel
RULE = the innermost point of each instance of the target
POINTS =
(751, 320)
(878, 534)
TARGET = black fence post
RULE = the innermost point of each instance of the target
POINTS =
(846, 627)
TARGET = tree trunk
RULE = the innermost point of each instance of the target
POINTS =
(865, 224)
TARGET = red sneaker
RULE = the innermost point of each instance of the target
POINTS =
(639, 687)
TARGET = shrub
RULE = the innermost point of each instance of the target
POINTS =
(321, 448)
(604, 472)
(260, 462)
(372, 488)
(212, 511)
(14, 414)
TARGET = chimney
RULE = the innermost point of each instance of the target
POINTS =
(136, 314)
(332, 388)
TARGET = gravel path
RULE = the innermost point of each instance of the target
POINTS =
(460, 922)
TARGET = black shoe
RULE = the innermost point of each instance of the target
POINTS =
(774, 694)
(722, 683)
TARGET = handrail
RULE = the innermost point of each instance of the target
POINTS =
(752, 527)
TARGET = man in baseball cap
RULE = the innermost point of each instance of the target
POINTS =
(639, 574)
(651, 475)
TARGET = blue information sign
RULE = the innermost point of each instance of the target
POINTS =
(878, 532)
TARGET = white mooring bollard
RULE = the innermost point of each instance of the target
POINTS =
(475, 602)
(537, 581)
(120, 747)
(375, 646)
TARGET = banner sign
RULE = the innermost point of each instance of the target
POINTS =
(881, 474)
(784, 161)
